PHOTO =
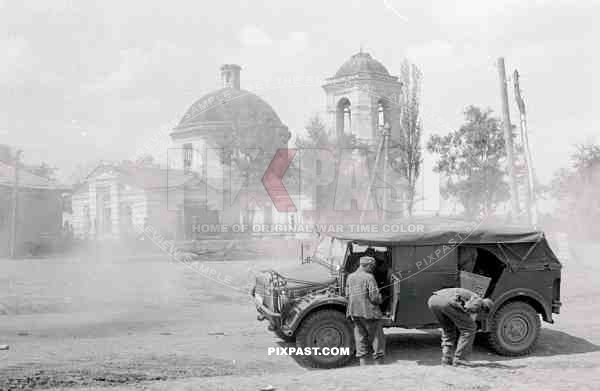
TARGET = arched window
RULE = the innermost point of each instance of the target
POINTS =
(382, 113)
(344, 117)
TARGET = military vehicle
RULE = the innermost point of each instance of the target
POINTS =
(513, 266)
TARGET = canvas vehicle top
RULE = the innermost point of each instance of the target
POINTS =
(514, 266)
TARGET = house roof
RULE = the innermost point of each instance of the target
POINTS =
(144, 177)
(27, 180)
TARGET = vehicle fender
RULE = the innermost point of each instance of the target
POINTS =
(303, 307)
(527, 295)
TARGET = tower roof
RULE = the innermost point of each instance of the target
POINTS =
(361, 63)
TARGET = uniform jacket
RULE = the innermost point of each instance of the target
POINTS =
(363, 295)
(457, 296)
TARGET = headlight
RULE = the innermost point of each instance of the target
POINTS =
(282, 300)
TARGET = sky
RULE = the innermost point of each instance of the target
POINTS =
(86, 80)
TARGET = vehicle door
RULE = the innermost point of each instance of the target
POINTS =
(422, 270)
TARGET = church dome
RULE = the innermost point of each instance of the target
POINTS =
(229, 105)
(231, 113)
(361, 63)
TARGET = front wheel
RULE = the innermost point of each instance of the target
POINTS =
(326, 329)
(514, 330)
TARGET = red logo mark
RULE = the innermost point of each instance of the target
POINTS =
(272, 180)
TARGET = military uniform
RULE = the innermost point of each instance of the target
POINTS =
(448, 306)
(363, 308)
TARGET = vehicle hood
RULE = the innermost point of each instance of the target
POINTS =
(310, 272)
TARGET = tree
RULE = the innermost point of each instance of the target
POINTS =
(410, 159)
(318, 148)
(6, 153)
(470, 158)
(577, 190)
(310, 147)
(242, 146)
(44, 170)
(586, 158)
(316, 134)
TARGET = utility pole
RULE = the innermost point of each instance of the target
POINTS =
(382, 148)
(15, 208)
(387, 131)
(531, 198)
(508, 141)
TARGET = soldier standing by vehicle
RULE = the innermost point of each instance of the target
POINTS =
(363, 308)
(456, 310)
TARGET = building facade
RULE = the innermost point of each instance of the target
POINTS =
(119, 201)
(39, 211)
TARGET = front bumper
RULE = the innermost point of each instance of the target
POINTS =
(274, 318)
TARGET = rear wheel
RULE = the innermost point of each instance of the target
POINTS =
(325, 328)
(514, 330)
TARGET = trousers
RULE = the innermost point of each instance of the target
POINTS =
(455, 323)
(368, 333)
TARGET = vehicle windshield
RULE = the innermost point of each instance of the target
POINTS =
(330, 252)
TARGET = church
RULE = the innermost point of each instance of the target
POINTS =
(219, 133)
(228, 143)
(221, 149)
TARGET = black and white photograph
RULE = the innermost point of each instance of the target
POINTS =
(298, 196)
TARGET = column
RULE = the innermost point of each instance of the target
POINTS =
(115, 212)
(92, 207)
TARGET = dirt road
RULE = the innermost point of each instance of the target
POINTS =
(151, 323)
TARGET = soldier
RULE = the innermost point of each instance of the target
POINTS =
(363, 308)
(456, 310)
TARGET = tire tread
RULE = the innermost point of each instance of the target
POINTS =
(303, 330)
(492, 337)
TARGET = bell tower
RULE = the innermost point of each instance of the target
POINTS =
(361, 97)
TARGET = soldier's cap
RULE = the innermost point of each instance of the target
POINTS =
(474, 305)
(487, 304)
(366, 261)
(479, 304)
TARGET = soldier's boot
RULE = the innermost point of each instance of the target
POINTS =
(362, 361)
(461, 362)
(447, 354)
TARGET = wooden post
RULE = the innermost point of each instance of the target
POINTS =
(387, 130)
(15, 208)
(508, 140)
(531, 198)
(373, 174)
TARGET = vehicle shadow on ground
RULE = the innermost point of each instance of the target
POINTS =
(423, 348)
